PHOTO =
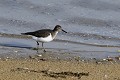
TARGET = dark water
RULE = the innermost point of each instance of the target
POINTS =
(93, 26)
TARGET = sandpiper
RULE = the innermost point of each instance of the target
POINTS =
(44, 35)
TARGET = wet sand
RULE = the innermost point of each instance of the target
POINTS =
(16, 45)
(31, 69)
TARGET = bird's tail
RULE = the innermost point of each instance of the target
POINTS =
(28, 33)
(23, 33)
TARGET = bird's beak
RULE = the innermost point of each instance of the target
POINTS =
(64, 31)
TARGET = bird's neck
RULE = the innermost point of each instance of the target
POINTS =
(54, 34)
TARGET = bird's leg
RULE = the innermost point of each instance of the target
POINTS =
(37, 46)
(43, 47)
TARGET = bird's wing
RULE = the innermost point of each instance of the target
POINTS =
(39, 33)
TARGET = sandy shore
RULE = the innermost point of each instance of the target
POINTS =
(30, 69)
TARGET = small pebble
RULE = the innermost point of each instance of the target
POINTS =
(118, 58)
(15, 51)
(39, 55)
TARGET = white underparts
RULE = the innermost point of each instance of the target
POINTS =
(43, 39)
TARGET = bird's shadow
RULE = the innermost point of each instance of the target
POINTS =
(20, 45)
(16, 45)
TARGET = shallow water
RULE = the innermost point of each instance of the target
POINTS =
(93, 26)
(59, 48)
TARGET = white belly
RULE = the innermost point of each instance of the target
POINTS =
(41, 39)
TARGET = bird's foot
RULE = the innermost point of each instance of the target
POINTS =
(44, 51)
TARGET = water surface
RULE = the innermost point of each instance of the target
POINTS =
(93, 26)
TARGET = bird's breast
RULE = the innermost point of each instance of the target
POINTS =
(54, 35)
(43, 39)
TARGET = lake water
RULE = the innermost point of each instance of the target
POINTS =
(93, 26)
